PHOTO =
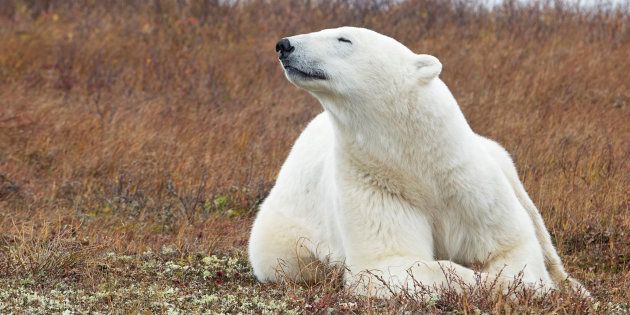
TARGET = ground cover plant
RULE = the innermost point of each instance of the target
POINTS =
(137, 138)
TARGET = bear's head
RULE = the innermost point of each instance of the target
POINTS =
(353, 63)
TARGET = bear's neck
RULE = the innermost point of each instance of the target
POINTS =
(420, 136)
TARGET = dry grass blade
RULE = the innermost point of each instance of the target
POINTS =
(51, 256)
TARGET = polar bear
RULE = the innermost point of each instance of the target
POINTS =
(391, 180)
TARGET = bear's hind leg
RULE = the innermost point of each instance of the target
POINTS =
(524, 263)
(279, 248)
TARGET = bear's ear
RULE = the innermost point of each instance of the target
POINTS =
(427, 67)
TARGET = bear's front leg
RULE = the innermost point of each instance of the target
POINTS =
(392, 275)
(388, 246)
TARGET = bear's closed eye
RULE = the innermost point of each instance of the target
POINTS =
(345, 40)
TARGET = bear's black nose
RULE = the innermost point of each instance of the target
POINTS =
(284, 48)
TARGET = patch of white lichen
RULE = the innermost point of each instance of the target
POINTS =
(148, 282)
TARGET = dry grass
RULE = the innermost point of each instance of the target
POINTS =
(129, 126)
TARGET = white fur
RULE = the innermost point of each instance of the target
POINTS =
(391, 179)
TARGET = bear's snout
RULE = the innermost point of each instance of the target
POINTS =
(284, 48)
